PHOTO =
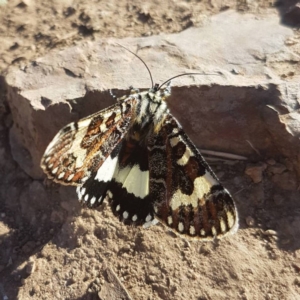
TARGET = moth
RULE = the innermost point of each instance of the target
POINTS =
(136, 154)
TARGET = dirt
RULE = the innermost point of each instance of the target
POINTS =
(51, 248)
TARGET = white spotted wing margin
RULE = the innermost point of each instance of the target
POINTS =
(188, 196)
(81, 148)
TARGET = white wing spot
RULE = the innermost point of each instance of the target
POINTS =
(103, 127)
(118, 207)
(202, 232)
(170, 220)
(93, 200)
(86, 197)
(78, 191)
(174, 141)
(70, 177)
(55, 170)
(185, 157)
(83, 190)
(148, 218)
(134, 218)
(83, 179)
(213, 231)
(180, 227)
(109, 194)
(47, 159)
(222, 225)
(61, 175)
(50, 166)
(175, 130)
(230, 219)
(125, 214)
(192, 230)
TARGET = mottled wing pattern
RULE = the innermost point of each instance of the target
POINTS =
(80, 148)
(124, 179)
(188, 196)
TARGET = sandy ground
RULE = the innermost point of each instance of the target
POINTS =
(50, 248)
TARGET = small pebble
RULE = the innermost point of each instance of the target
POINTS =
(277, 168)
(250, 221)
(255, 171)
(271, 161)
(297, 282)
(30, 267)
(270, 232)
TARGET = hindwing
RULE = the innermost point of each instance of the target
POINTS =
(188, 196)
(129, 190)
(124, 179)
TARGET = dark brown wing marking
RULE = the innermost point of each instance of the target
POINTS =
(188, 196)
(80, 148)
(129, 189)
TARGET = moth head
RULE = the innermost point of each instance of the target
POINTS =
(162, 92)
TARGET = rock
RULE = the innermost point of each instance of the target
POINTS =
(67, 194)
(250, 221)
(276, 168)
(112, 288)
(297, 282)
(4, 231)
(42, 95)
(271, 161)
(205, 249)
(255, 171)
(30, 267)
(269, 232)
(25, 3)
(287, 181)
(28, 247)
(290, 165)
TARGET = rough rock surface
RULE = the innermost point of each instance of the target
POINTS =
(254, 107)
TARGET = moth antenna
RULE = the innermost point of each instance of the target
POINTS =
(186, 74)
(141, 61)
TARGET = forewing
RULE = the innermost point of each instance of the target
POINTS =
(80, 148)
(188, 196)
